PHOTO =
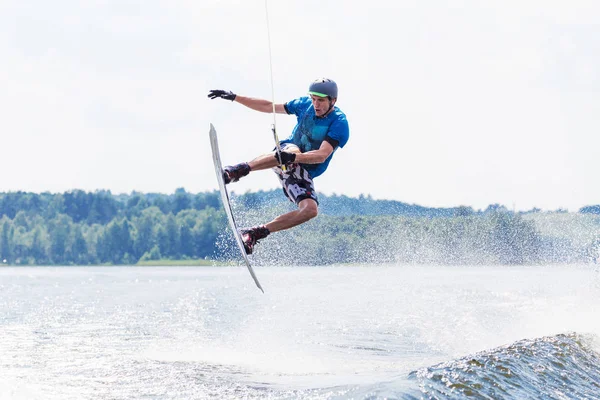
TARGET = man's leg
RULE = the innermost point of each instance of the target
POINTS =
(268, 160)
(307, 209)
(265, 161)
(299, 188)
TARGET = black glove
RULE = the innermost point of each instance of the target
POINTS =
(286, 158)
(224, 94)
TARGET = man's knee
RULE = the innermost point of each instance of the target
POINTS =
(309, 208)
(291, 148)
(312, 212)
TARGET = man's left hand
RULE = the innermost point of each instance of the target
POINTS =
(286, 158)
(223, 94)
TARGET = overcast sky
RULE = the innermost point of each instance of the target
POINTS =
(449, 102)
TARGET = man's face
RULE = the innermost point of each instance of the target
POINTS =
(321, 104)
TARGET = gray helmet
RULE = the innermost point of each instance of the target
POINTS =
(324, 87)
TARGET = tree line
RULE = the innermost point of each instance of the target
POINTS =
(88, 228)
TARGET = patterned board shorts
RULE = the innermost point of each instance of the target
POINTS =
(296, 182)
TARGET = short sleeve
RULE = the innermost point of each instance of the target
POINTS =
(297, 106)
(339, 131)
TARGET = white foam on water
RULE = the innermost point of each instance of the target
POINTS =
(188, 331)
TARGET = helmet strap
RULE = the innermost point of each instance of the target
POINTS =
(331, 104)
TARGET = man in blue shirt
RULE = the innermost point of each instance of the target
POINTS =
(321, 129)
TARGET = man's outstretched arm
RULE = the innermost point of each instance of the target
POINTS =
(261, 105)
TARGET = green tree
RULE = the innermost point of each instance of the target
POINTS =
(21, 220)
(78, 204)
(59, 230)
(144, 238)
(103, 208)
(38, 247)
(182, 201)
(135, 205)
(153, 254)
(187, 220)
(209, 224)
(173, 239)
(162, 240)
(162, 204)
(55, 207)
(115, 242)
(80, 255)
(207, 200)
(6, 246)
(186, 241)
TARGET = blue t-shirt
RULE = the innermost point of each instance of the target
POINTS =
(311, 131)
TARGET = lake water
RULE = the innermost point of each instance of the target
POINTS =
(342, 332)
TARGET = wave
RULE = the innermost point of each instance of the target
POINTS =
(564, 366)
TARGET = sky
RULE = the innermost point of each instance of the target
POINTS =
(449, 102)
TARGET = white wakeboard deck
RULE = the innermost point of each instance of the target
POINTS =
(226, 204)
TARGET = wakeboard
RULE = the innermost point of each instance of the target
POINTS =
(227, 204)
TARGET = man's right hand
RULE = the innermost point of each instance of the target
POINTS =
(284, 157)
(224, 94)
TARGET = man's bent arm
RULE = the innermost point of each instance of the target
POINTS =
(261, 105)
(315, 156)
